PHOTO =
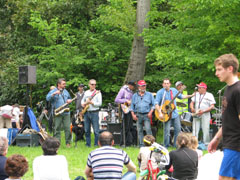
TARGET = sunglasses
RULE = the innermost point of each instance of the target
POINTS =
(93, 84)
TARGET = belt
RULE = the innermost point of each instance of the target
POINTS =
(142, 113)
(93, 111)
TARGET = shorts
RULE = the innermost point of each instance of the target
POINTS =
(230, 166)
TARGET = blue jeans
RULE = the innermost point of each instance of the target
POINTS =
(143, 118)
(129, 176)
(91, 118)
(177, 129)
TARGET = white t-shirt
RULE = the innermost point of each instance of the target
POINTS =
(15, 113)
(7, 109)
(53, 167)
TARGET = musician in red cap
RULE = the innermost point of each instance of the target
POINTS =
(202, 103)
(141, 109)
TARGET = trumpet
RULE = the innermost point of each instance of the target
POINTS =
(63, 108)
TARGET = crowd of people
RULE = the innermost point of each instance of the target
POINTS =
(106, 162)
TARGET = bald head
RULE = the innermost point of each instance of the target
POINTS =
(106, 139)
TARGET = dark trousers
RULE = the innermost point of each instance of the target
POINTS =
(128, 128)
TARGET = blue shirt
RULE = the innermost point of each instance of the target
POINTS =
(142, 104)
(58, 99)
(159, 98)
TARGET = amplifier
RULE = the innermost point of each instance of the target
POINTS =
(115, 129)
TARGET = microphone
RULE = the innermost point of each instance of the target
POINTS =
(196, 88)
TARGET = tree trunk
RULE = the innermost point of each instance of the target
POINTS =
(137, 63)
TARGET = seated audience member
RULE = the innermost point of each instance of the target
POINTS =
(16, 166)
(107, 162)
(50, 166)
(194, 146)
(3, 153)
(184, 159)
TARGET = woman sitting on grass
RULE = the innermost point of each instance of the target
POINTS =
(184, 159)
(16, 166)
(50, 166)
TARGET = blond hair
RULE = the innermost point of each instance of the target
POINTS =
(193, 142)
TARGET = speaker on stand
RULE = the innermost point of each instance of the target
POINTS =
(26, 75)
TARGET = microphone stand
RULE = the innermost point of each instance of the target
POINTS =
(218, 118)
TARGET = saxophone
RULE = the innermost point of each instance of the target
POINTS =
(63, 108)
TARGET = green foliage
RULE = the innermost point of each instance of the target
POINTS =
(186, 36)
(80, 40)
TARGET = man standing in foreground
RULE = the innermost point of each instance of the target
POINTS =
(226, 70)
(107, 162)
(92, 100)
(58, 97)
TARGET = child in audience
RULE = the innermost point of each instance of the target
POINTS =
(144, 153)
(194, 146)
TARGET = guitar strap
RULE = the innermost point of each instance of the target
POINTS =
(171, 94)
(93, 93)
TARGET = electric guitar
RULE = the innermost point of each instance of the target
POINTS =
(87, 105)
(164, 113)
(125, 107)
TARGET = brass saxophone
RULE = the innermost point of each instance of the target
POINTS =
(63, 108)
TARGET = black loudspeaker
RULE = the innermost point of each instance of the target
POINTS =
(27, 75)
(115, 129)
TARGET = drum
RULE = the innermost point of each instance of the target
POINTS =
(186, 119)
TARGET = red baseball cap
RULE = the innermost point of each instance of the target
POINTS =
(203, 85)
(142, 83)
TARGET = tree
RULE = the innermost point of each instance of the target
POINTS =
(137, 62)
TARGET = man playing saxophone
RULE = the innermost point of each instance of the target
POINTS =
(59, 97)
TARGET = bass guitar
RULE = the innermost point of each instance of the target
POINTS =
(164, 113)
(87, 105)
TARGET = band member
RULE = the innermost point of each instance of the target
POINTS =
(141, 109)
(80, 95)
(91, 102)
(58, 97)
(165, 95)
(227, 71)
(124, 98)
(49, 110)
(77, 122)
(201, 105)
(183, 107)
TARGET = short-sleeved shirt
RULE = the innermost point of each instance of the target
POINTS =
(107, 162)
(230, 117)
(203, 102)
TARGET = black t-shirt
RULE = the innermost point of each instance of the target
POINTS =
(185, 163)
(230, 117)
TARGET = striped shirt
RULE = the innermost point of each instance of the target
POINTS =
(107, 162)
